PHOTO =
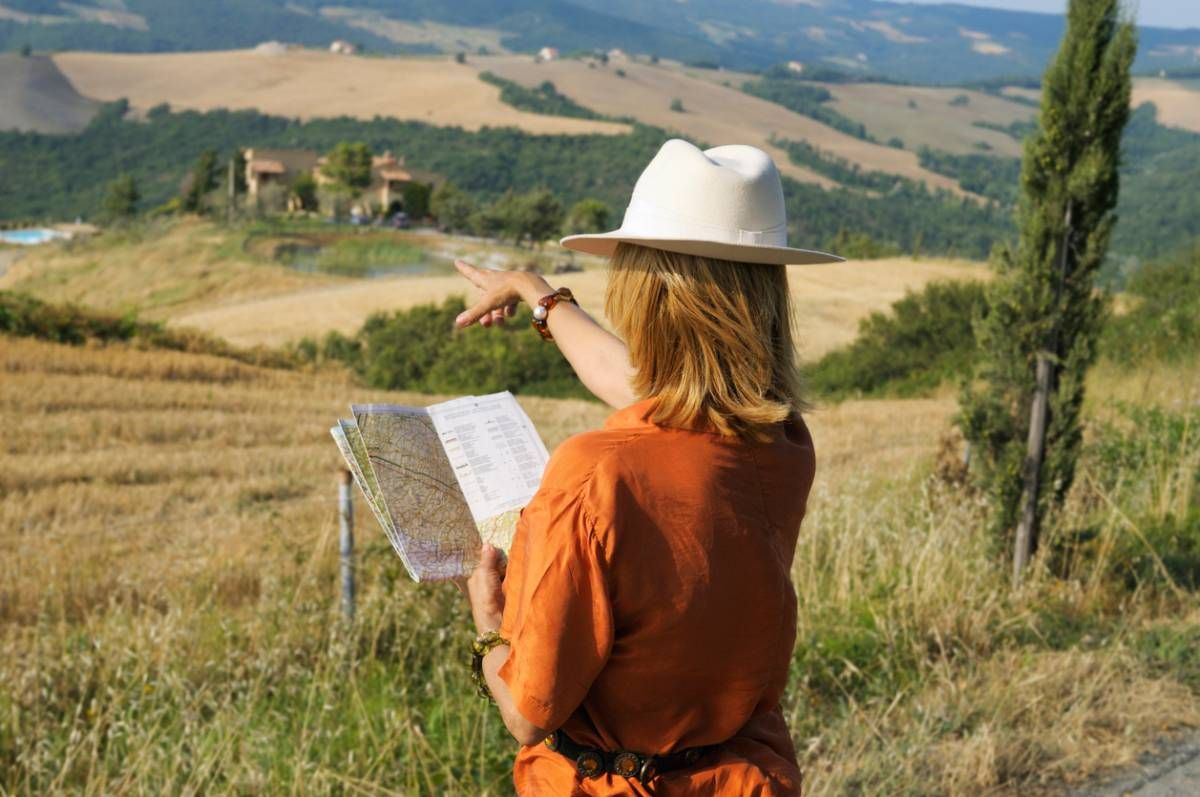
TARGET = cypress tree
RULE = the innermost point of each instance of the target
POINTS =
(1043, 314)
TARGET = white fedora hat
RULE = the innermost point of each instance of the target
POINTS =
(725, 202)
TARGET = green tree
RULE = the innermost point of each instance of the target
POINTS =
(1039, 333)
(451, 207)
(541, 214)
(416, 200)
(304, 188)
(239, 171)
(586, 215)
(349, 165)
(121, 199)
(201, 181)
(505, 217)
(677, 105)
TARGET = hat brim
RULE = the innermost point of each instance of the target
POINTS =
(605, 243)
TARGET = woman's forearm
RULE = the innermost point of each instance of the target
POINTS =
(522, 729)
(599, 358)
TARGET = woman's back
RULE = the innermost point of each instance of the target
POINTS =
(649, 603)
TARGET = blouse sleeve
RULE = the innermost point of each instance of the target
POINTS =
(557, 615)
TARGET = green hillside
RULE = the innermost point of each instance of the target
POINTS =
(49, 177)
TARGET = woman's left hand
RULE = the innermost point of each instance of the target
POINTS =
(485, 591)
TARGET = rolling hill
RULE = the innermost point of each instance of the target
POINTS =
(307, 84)
(36, 96)
(906, 42)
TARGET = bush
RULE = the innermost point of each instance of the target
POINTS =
(419, 349)
(1164, 323)
(22, 315)
(925, 340)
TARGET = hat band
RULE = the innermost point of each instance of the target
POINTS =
(648, 220)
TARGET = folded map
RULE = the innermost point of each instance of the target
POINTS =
(444, 479)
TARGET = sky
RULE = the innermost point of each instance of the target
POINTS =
(1157, 13)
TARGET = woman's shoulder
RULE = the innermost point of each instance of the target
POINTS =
(578, 459)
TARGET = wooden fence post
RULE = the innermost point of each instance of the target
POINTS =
(346, 542)
(229, 211)
(1027, 529)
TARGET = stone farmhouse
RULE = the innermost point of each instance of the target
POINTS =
(281, 167)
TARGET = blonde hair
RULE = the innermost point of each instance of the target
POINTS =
(711, 339)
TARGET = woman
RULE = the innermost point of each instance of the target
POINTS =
(639, 641)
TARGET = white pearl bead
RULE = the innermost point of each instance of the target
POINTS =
(540, 313)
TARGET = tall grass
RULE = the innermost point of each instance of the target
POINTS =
(169, 619)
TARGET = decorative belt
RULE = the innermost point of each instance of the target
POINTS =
(592, 763)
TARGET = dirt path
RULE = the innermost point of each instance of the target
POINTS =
(1174, 771)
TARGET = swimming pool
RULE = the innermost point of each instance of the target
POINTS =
(31, 237)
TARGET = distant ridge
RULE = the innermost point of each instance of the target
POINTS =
(934, 43)
(35, 96)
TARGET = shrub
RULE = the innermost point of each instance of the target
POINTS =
(419, 349)
(677, 105)
(1164, 322)
(926, 339)
(22, 315)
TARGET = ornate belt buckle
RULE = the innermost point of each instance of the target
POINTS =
(627, 764)
(590, 764)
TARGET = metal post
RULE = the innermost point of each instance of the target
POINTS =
(346, 542)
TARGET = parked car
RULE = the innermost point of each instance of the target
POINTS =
(399, 220)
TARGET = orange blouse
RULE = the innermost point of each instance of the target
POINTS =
(650, 606)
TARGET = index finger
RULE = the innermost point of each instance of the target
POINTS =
(474, 275)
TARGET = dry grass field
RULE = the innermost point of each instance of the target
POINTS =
(713, 113)
(830, 301)
(194, 274)
(308, 83)
(923, 116)
(1178, 103)
(168, 616)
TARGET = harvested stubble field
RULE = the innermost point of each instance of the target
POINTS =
(926, 116)
(168, 616)
(1177, 101)
(306, 84)
(713, 113)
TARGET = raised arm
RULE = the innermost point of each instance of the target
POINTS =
(599, 357)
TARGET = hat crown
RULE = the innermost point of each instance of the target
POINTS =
(725, 202)
(733, 192)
